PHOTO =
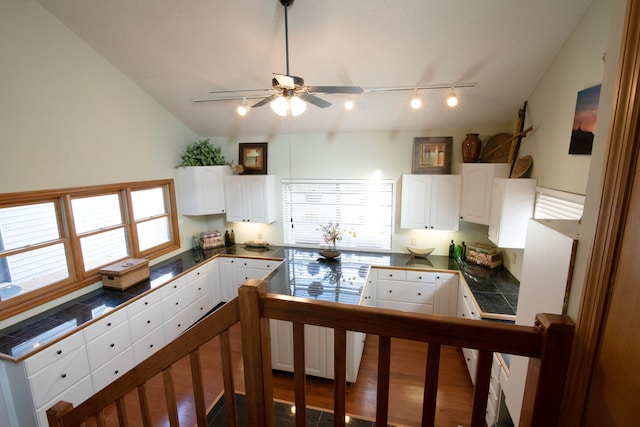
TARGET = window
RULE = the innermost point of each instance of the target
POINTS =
(54, 242)
(363, 208)
(555, 204)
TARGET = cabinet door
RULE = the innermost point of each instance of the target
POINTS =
(477, 186)
(234, 198)
(228, 284)
(415, 199)
(215, 282)
(202, 189)
(259, 198)
(445, 202)
(511, 207)
(446, 294)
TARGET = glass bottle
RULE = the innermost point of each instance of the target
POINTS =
(227, 239)
(232, 238)
(452, 249)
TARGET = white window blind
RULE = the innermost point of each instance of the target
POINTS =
(555, 204)
(363, 208)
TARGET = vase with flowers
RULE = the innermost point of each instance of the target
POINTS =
(331, 233)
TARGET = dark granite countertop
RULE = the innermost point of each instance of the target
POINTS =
(304, 274)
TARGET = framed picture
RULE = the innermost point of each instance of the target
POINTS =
(253, 157)
(584, 121)
(432, 155)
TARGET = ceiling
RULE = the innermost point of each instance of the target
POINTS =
(178, 51)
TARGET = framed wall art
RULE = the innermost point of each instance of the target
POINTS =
(584, 121)
(432, 155)
(253, 157)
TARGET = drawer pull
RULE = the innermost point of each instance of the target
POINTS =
(109, 324)
(419, 293)
(390, 291)
(177, 303)
(199, 289)
(116, 372)
(148, 321)
(59, 352)
(150, 345)
(179, 325)
(175, 286)
(420, 277)
(112, 345)
(64, 375)
(146, 303)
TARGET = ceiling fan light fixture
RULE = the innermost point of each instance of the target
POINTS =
(280, 106)
(297, 106)
(452, 99)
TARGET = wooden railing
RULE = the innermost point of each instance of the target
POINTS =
(547, 344)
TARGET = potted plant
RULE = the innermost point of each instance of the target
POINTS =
(203, 153)
(201, 179)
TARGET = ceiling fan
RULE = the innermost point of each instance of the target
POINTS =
(290, 94)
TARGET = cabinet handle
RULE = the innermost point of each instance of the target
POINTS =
(64, 375)
(146, 303)
(109, 324)
(150, 345)
(199, 289)
(419, 293)
(177, 303)
(59, 352)
(175, 286)
(112, 345)
(179, 325)
(148, 321)
(390, 291)
(116, 371)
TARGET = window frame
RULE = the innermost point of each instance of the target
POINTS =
(78, 278)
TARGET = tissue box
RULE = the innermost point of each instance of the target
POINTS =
(126, 273)
(213, 239)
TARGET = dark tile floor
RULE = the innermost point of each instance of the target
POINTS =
(283, 416)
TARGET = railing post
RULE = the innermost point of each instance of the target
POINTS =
(57, 411)
(256, 342)
(546, 375)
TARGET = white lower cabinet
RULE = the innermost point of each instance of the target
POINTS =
(406, 290)
(318, 348)
(467, 309)
(235, 271)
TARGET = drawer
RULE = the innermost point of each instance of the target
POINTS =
(53, 353)
(75, 395)
(194, 274)
(145, 322)
(105, 324)
(176, 302)
(200, 308)
(406, 306)
(198, 288)
(421, 293)
(143, 303)
(385, 273)
(176, 325)
(247, 263)
(268, 264)
(112, 370)
(173, 286)
(421, 276)
(108, 346)
(49, 383)
(243, 274)
(148, 345)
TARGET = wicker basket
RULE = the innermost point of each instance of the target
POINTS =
(124, 274)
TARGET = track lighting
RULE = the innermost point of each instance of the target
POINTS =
(349, 104)
(416, 102)
(452, 99)
(244, 108)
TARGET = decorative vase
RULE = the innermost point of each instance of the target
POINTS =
(471, 147)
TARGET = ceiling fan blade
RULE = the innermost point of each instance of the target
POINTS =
(311, 99)
(284, 81)
(335, 89)
(266, 100)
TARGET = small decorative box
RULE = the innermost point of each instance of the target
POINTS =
(126, 273)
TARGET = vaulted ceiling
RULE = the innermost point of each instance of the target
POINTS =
(178, 51)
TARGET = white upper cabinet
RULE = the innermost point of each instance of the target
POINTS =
(250, 198)
(477, 186)
(512, 204)
(430, 202)
(202, 189)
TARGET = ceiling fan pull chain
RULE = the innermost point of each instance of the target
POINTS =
(286, 33)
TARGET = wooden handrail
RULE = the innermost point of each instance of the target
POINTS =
(547, 344)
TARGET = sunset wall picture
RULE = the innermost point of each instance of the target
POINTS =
(584, 121)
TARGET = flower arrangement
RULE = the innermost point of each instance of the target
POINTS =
(331, 233)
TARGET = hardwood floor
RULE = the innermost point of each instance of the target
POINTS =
(408, 363)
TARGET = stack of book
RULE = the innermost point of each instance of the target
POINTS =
(484, 254)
